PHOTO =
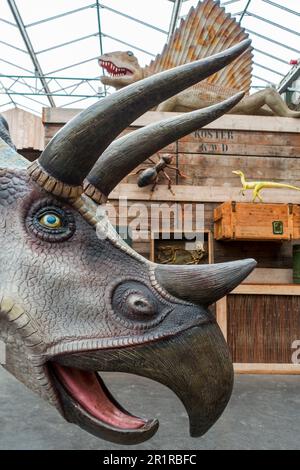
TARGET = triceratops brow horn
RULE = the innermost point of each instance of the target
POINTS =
(204, 284)
(73, 151)
(126, 153)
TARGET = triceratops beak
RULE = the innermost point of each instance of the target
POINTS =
(204, 284)
(195, 364)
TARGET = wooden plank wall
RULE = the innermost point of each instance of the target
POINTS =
(262, 328)
(263, 147)
(259, 327)
(26, 129)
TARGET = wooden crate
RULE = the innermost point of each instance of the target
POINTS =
(256, 221)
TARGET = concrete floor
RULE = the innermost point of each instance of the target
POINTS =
(264, 413)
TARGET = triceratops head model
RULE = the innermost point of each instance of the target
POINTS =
(73, 304)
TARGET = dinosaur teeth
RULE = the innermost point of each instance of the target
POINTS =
(113, 70)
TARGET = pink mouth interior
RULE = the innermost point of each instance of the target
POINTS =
(86, 389)
(112, 69)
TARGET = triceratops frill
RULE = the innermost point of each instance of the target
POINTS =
(73, 304)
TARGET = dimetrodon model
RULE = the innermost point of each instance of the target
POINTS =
(207, 29)
(75, 299)
(257, 186)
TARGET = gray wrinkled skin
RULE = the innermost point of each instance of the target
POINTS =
(59, 294)
(72, 302)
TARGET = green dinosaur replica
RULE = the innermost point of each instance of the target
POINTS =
(257, 186)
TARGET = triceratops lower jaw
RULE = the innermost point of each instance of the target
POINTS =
(195, 364)
(203, 284)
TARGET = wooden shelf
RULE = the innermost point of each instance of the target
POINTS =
(267, 289)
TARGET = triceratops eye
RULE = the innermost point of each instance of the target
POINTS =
(130, 53)
(50, 222)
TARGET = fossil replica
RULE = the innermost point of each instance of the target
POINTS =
(257, 186)
(207, 29)
(76, 300)
(177, 254)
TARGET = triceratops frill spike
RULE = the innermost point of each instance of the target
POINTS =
(203, 284)
(73, 151)
(126, 153)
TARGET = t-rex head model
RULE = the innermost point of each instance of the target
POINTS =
(73, 303)
(123, 68)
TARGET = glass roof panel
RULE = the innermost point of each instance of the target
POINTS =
(65, 39)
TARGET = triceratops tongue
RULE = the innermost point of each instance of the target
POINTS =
(195, 364)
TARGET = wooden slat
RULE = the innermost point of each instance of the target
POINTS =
(264, 275)
(229, 121)
(26, 129)
(228, 136)
(59, 115)
(221, 314)
(253, 149)
(263, 328)
(267, 289)
(184, 193)
(280, 369)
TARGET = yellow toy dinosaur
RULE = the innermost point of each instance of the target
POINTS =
(257, 186)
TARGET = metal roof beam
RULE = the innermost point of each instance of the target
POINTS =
(5, 104)
(72, 65)
(282, 7)
(245, 11)
(34, 77)
(229, 2)
(272, 23)
(6, 92)
(268, 69)
(270, 55)
(61, 15)
(133, 19)
(272, 40)
(15, 65)
(261, 78)
(13, 47)
(289, 79)
(8, 22)
(129, 45)
(67, 43)
(93, 5)
(95, 58)
(174, 17)
(27, 107)
(29, 47)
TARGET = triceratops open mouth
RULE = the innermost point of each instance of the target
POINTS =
(87, 401)
(195, 364)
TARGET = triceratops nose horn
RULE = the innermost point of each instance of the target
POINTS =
(203, 284)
